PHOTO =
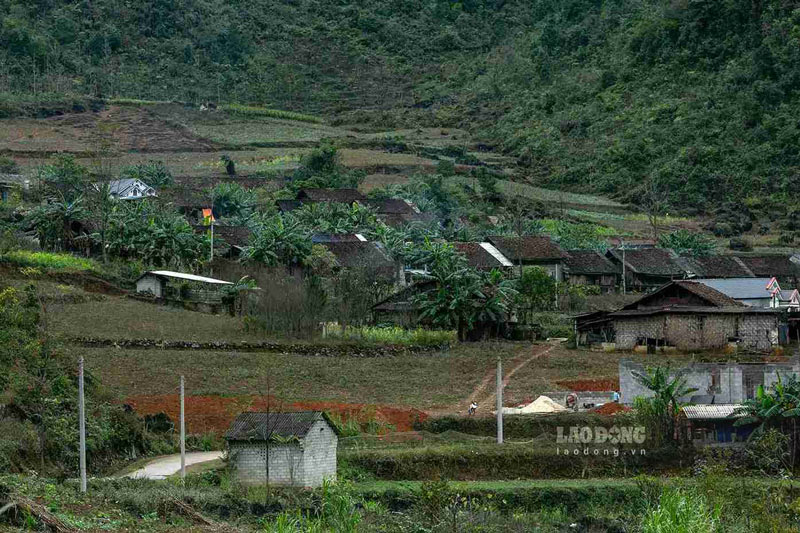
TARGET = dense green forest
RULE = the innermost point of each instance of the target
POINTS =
(690, 100)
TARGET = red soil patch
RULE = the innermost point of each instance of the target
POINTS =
(611, 409)
(583, 385)
(215, 413)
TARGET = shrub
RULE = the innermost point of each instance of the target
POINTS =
(238, 109)
(47, 260)
(392, 335)
(681, 511)
(510, 461)
(154, 173)
(741, 244)
(8, 165)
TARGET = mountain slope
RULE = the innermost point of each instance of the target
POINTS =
(697, 98)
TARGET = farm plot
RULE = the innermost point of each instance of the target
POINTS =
(408, 381)
(124, 318)
(117, 129)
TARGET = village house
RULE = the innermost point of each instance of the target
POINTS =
(396, 212)
(755, 292)
(232, 240)
(335, 196)
(355, 252)
(532, 251)
(9, 182)
(197, 293)
(645, 269)
(401, 308)
(321, 195)
(785, 268)
(714, 266)
(590, 267)
(685, 315)
(130, 189)
(483, 256)
(297, 449)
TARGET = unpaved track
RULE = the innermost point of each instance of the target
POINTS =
(481, 394)
(164, 467)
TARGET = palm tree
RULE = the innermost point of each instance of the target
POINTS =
(778, 408)
(667, 393)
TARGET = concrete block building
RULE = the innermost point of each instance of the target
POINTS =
(302, 448)
(716, 383)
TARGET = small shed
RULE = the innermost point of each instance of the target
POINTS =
(714, 425)
(298, 448)
(156, 282)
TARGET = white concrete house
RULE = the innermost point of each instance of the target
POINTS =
(130, 189)
(302, 448)
(154, 282)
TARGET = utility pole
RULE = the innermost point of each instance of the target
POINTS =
(622, 242)
(82, 425)
(183, 436)
(499, 401)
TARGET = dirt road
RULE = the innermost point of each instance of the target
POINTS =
(164, 467)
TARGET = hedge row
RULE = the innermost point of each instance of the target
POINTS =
(521, 426)
(321, 350)
(578, 496)
(517, 461)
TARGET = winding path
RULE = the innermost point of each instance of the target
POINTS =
(166, 466)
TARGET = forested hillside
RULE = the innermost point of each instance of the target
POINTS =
(691, 100)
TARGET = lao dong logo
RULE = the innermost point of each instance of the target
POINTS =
(604, 441)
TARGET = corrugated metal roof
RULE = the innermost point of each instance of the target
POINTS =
(496, 254)
(260, 426)
(711, 412)
(739, 288)
(181, 275)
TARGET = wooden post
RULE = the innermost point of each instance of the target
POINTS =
(82, 425)
(499, 401)
(183, 435)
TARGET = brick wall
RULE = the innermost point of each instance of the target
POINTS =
(285, 463)
(698, 332)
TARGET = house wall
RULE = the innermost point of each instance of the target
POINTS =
(698, 332)
(606, 282)
(319, 460)
(285, 463)
(151, 284)
(731, 379)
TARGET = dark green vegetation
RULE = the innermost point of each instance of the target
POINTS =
(208, 502)
(39, 390)
(690, 101)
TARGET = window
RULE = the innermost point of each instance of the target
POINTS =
(716, 384)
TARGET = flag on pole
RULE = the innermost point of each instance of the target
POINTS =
(208, 217)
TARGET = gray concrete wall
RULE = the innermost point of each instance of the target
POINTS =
(304, 464)
(150, 284)
(319, 460)
(285, 463)
(732, 378)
